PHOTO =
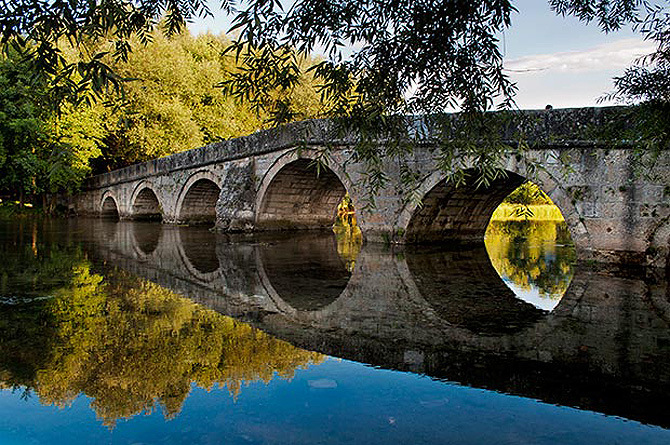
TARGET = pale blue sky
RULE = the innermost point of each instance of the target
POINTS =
(554, 60)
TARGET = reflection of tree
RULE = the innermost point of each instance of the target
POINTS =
(132, 346)
(349, 242)
(348, 234)
(532, 254)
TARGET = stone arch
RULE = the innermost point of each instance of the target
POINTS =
(463, 213)
(294, 194)
(197, 201)
(145, 204)
(109, 207)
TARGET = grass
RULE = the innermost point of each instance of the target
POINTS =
(540, 212)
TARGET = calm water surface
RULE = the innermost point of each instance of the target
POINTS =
(144, 333)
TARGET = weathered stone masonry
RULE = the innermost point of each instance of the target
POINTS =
(268, 181)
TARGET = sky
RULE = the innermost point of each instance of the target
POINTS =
(553, 60)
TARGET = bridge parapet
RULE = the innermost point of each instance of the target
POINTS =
(541, 128)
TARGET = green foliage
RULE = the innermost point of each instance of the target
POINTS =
(172, 103)
(22, 131)
(94, 30)
(41, 151)
(441, 53)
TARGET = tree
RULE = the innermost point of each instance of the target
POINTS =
(42, 151)
(172, 104)
(22, 133)
(36, 27)
(385, 60)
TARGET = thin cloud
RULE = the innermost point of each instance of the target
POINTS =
(609, 56)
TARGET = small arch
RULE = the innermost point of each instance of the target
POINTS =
(197, 202)
(109, 209)
(298, 194)
(146, 206)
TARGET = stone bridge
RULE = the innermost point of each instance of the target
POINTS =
(269, 181)
(444, 313)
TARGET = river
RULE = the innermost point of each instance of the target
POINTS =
(130, 332)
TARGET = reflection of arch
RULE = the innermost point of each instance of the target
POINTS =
(145, 204)
(658, 248)
(463, 213)
(465, 290)
(295, 194)
(197, 248)
(302, 273)
(197, 200)
(108, 206)
(147, 237)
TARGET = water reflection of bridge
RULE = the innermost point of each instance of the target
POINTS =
(605, 347)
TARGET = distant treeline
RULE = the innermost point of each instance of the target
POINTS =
(170, 102)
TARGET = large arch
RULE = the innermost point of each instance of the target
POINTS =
(145, 204)
(296, 193)
(109, 207)
(463, 213)
(197, 201)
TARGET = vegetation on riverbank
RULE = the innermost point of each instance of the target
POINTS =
(170, 103)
